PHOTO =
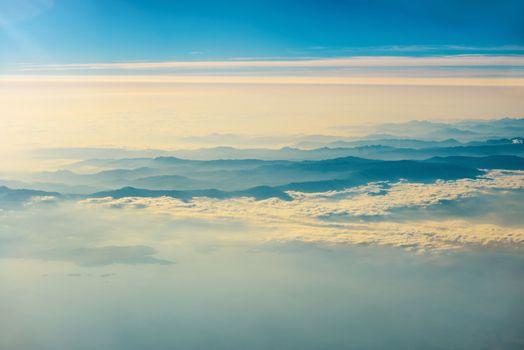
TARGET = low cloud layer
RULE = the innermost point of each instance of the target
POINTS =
(421, 217)
(362, 215)
(107, 255)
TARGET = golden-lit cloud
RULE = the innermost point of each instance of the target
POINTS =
(312, 217)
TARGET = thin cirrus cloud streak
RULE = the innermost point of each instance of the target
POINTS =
(260, 80)
(435, 48)
(457, 70)
(356, 61)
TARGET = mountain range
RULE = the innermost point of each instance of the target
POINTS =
(259, 179)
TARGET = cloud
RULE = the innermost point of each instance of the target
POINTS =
(107, 255)
(440, 48)
(455, 70)
(431, 217)
(345, 62)
(343, 216)
(424, 78)
(39, 200)
(92, 235)
(69, 232)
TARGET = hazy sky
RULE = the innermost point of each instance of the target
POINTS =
(138, 73)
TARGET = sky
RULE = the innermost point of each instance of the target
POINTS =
(136, 73)
(64, 31)
(417, 251)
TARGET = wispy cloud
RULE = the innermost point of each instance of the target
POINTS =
(503, 80)
(460, 70)
(435, 48)
(348, 62)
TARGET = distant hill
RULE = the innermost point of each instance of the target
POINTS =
(167, 182)
(259, 193)
(351, 171)
(384, 149)
(10, 198)
(269, 179)
(490, 162)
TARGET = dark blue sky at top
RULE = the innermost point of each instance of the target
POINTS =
(102, 30)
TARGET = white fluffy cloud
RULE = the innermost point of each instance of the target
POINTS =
(304, 218)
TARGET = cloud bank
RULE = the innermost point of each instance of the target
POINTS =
(430, 217)
(360, 215)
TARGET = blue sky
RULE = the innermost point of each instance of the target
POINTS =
(65, 31)
(74, 71)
